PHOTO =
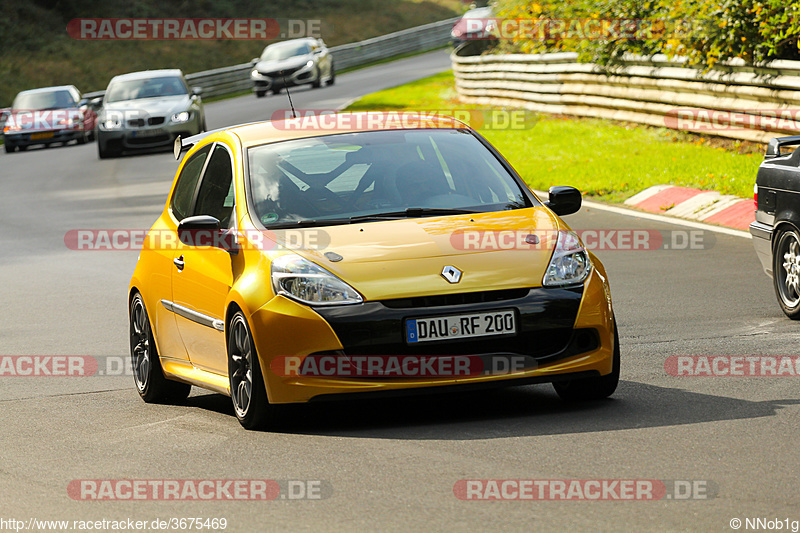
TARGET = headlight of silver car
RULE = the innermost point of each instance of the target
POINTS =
(183, 116)
(570, 263)
(309, 283)
(112, 123)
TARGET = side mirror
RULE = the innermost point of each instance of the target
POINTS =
(564, 200)
(255, 60)
(204, 230)
(96, 102)
(197, 91)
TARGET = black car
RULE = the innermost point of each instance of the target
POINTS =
(776, 230)
(289, 63)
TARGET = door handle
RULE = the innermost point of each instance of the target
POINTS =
(179, 262)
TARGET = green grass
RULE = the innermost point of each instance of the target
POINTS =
(38, 52)
(606, 160)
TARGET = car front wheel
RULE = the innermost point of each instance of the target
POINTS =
(148, 376)
(786, 272)
(248, 393)
(595, 388)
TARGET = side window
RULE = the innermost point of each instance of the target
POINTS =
(187, 184)
(216, 196)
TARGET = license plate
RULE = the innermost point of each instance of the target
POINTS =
(42, 135)
(442, 328)
(148, 133)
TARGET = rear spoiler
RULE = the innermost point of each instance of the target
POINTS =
(775, 144)
(181, 145)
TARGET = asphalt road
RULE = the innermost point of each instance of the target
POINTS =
(384, 465)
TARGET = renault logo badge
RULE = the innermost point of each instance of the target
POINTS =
(451, 274)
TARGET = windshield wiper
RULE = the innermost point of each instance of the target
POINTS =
(412, 212)
(408, 213)
(308, 223)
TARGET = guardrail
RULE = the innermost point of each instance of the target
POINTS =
(236, 78)
(734, 100)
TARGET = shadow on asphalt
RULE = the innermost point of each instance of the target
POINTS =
(512, 412)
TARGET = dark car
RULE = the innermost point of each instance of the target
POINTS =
(46, 116)
(147, 111)
(776, 230)
(289, 63)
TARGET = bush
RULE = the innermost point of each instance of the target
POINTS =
(704, 31)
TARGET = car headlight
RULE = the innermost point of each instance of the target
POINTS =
(309, 64)
(570, 263)
(309, 283)
(183, 116)
(256, 74)
(112, 123)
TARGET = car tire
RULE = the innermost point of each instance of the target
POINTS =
(595, 388)
(332, 78)
(277, 90)
(148, 376)
(786, 272)
(83, 138)
(248, 393)
(9, 148)
(317, 83)
(261, 94)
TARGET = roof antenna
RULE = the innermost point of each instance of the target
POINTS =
(283, 75)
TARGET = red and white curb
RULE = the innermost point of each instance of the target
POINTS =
(695, 204)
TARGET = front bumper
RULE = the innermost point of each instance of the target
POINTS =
(148, 137)
(269, 81)
(762, 242)
(41, 137)
(562, 334)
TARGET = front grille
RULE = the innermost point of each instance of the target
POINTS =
(455, 299)
(280, 73)
(544, 328)
(151, 121)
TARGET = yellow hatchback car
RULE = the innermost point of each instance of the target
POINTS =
(364, 255)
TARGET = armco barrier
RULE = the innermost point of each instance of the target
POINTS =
(734, 100)
(233, 79)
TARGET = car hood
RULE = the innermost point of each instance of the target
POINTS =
(289, 63)
(159, 106)
(401, 258)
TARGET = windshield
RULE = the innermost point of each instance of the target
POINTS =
(57, 99)
(378, 175)
(146, 88)
(279, 52)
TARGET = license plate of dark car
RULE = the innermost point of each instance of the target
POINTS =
(148, 133)
(470, 325)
